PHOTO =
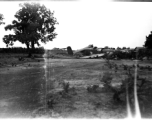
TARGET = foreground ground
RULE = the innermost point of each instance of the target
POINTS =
(26, 88)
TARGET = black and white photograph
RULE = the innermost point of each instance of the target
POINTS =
(76, 59)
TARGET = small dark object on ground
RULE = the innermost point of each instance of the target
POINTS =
(13, 65)
(72, 90)
(21, 59)
(64, 94)
(51, 103)
(125, 67)
(133, 66)
(66, 86)
(116, 97)
(138, 65)
(33, 57)
(92, 89)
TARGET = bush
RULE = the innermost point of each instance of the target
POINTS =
(51, 103)
(118, 90)
(67, 91)
(144, 88)
(52, 99)
(66, 86)
(107, 78)
(92, 89)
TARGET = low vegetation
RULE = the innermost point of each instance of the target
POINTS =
(126, 86)
(84, 88)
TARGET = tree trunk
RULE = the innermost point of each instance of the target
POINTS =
(32, 49)
(32, 45)
(28, 49)
(27, 45)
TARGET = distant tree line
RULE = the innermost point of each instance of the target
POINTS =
(124, 55)
(1, 19)
(140, 54)
(40, 50)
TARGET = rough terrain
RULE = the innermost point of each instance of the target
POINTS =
(26, 87)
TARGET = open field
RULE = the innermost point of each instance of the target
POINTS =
(83, 73)
(26, 88)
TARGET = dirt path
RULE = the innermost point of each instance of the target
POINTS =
(21, 89)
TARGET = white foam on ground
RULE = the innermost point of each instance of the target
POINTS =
(137, 109)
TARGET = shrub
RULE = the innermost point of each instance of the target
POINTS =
(93, 88)
(66, 86)
(21, 59)
(51, 103)
(52, 100)
(107, 78)
(144, 88)
(117, 90)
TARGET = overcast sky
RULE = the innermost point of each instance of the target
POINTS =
(98, 22)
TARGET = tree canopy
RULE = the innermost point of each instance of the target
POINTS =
(148, 42)
(34, 23)
(1, 19)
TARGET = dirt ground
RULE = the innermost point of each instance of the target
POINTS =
(26, 88)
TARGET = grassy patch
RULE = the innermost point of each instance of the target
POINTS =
(72, 100)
